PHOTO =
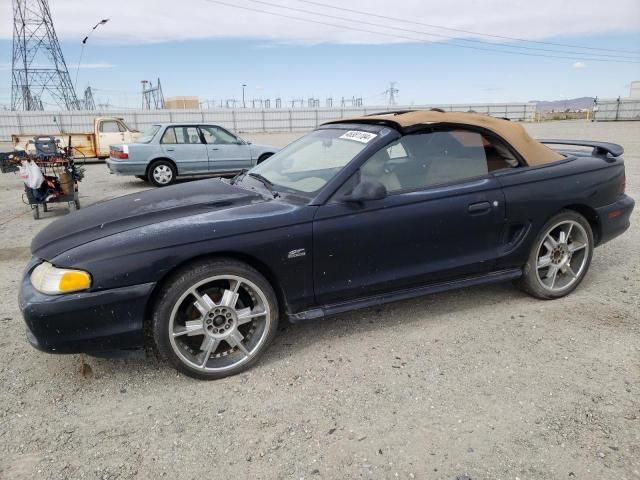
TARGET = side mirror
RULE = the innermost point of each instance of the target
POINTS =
(366, 190)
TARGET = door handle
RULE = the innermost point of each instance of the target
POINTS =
(215, 148)
(170, 149)
(479, 208)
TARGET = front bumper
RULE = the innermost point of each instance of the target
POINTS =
(614, 219)
(86, 321)
(123, 167)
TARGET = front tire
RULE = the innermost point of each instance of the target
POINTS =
(560, 257)
(161, 173)
(263, 157)
(215, 318)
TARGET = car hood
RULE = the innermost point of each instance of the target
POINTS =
(137, 210)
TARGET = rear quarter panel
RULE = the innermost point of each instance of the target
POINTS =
(534, 194)
(144, 153)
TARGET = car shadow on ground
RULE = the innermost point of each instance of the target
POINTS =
(292, 339)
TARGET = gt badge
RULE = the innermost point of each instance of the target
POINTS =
(299, 252)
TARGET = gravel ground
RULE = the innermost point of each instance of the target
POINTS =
(484, 383)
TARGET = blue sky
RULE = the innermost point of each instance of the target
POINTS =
(315, 60)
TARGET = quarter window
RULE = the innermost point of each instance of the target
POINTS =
(436, 158)
(181, 135)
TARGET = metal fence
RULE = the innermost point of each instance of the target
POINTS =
(238, 120)
(615, 110)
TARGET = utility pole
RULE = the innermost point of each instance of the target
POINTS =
(84, 42)
(244, 105)
(38, 68)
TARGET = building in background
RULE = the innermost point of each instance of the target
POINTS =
(634, 90)
(182, 103)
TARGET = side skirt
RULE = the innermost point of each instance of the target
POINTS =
(342, 307)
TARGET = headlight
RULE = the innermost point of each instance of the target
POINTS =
(52, 280)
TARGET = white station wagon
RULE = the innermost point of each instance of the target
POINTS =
(167, 151)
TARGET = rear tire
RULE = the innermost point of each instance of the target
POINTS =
(559, 258)
(214, 318)
(36, 212)
(161, 173)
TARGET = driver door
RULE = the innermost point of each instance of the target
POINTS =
(226, 152)
(442, 219)
(110, 132)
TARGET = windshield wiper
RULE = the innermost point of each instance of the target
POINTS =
(266, 182)
(239, 176)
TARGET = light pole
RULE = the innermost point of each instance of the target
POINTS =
(84, 42)
(244, 105)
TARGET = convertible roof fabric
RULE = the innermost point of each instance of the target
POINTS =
(533, 152)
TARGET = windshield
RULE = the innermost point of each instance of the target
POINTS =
(307, 164)
(148, 134)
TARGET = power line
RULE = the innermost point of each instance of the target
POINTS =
(431, 34)
(459, 30)
(414, 39)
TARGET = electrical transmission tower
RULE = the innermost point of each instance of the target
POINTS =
(89, 103)
(152, 97)
(392, 91)
(39, 72)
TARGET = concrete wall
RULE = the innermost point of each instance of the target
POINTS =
(238, 120)
(614, 110)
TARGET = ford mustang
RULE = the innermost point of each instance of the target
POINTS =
(356, 213)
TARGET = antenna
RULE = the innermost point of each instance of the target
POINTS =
(38, 68)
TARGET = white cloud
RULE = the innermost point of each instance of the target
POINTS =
(144, 21)
(579, 65)
(97, 65)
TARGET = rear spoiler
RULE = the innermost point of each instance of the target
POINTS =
(599, 148)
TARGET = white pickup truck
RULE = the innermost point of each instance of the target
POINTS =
(106, 131)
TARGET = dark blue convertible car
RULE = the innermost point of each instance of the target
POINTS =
(356, 213)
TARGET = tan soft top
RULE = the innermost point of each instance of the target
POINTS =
(533, 152)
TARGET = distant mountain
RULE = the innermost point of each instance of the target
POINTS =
(562, 105)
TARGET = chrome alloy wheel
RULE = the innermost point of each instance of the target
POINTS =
(162, 174)
(219, 323)
(562, 256)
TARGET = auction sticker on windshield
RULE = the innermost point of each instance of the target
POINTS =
(362, 137)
